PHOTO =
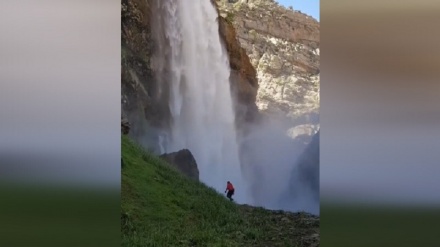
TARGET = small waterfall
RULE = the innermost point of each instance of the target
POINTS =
(191, 61)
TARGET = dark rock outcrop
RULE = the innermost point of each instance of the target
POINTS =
(184, 161)
(308, 164)
(304, 178)
(125, 126)
(140, 100)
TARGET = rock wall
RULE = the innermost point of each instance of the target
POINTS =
(243, 78)
(144, 104)
(140, 102)
(283, 46)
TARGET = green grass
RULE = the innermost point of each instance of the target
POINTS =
(161, 207)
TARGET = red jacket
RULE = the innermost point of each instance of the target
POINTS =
(229, 186)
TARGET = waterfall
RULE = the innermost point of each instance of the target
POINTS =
(193, 68)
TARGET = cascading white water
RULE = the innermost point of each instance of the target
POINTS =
(203, 119)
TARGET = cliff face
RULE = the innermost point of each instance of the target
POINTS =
(243, 78)
(142, 103)
(283, 46)
(139, 101)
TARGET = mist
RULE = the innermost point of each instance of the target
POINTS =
(280, 171)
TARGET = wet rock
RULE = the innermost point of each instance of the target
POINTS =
(125, 126)
(184, 161)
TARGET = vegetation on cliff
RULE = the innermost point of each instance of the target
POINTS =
(161, 207)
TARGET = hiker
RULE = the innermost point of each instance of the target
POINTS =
(230, 189)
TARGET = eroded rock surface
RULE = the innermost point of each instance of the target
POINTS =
(283, 47)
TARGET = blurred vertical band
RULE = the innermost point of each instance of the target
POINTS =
(380, 118)
(59, 130)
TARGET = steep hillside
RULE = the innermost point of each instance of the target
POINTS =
(161, 207)
(283, 46)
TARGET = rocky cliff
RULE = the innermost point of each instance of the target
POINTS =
(142, 104)
(243, 78)
(283, 47)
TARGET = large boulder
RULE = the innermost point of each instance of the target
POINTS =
(184, 161)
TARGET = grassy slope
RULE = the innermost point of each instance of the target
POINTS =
(161, 207)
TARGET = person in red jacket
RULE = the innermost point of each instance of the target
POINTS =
(230, 189)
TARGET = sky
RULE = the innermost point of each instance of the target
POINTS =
(310, 7)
